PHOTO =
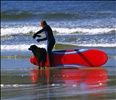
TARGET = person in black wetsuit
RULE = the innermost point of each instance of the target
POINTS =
(49, 37)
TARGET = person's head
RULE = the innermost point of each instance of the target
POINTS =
(43, 23)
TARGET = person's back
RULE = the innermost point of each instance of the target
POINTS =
(48, 32)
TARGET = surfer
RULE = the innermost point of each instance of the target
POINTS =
(49, 37)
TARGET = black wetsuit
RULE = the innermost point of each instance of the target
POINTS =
(50, 40)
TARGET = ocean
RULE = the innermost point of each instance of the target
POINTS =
(75, 24)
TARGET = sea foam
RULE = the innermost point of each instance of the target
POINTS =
(27, 29)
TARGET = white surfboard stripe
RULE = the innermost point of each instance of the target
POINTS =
(70, 52)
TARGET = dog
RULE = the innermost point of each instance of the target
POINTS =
(40, 54)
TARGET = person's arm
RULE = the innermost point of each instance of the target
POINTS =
(36, 34)
(38, 40)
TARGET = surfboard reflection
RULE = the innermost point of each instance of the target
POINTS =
(78, 79)
(38, 76)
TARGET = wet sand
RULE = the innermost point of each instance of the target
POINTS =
(58, 83)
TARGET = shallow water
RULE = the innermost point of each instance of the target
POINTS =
(58, 83)
(21, 80)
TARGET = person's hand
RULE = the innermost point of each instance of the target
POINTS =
(34, 36)
(38, 40)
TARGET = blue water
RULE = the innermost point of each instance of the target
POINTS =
(78, 24)
(84, 24)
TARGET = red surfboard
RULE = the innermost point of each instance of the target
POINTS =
(76, 57)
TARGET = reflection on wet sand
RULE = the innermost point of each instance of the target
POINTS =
(70, 81)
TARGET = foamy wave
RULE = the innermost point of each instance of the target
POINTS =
(22, 47)
(25, 47)
(28, 29)
(97, 45)
(93, 45)
(18, 30)
(85, 31)
(15, 85)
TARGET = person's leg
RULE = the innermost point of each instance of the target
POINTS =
(49, 49)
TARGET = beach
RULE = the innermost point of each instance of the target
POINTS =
(76, 25)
